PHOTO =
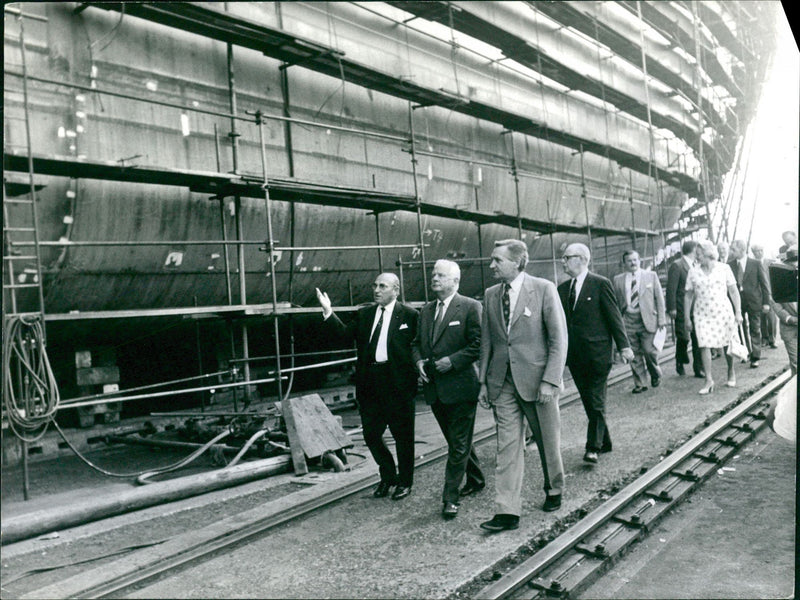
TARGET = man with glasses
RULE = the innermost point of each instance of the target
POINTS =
(445, 350)
(386, 380)
(593, 321)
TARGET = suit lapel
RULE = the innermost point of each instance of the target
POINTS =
(452, 309)
(494, 303)
(522, 302)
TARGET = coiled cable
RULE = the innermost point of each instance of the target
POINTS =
(30, 391)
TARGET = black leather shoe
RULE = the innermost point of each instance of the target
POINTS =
(680, 370)
(501, 522)
(605, 450)
(590, 457)
(754, 364)
(471, 488)
(639, 389)
(655, 381)
(401, 492)
(700, 374)
(552, 503)
(449, 510)
(382, 490)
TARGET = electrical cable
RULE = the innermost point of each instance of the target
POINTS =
(31, 402)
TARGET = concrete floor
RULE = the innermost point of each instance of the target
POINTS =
(735, 538)
(368, 548)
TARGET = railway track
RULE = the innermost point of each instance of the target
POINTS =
(568, 564)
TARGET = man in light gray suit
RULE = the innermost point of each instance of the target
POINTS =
(523, 353)
(641, 302)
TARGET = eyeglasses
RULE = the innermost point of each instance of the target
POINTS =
(566, 257)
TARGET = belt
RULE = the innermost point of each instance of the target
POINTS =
(378, 364)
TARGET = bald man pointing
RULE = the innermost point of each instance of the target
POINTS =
(386, 379)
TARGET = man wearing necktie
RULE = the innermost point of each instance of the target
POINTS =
(754, 290)
(386, 380)
(445, 350)
(593, 321)
(641, 301)
(523, 350)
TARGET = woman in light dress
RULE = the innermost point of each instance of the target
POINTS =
(716, 309)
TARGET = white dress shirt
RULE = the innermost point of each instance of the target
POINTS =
(513, 294)
(381, 353)
(579, 279)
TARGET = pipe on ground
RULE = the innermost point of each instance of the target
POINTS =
(25, 526)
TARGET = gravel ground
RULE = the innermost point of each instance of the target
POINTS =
(367, 548)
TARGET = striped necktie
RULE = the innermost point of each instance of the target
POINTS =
(634, 294)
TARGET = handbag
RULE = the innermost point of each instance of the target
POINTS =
(736, 348)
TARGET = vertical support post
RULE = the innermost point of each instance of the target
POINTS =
(237, 203)
(515, 175)
(418, 205)
(378, 241)
(552, 241)
(298, 459)
(34, 213)
(585, 199)
(401, 277)
(223, 227)
(633, 212)
(480, 242)
(700, 121)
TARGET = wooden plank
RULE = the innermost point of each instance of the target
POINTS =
(97, 375)
(318, 431)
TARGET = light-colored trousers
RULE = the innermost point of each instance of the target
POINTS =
(510, 414)
(645, 355)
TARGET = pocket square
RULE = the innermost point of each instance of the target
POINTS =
(527, 312)
(451, 323)
(404, 326)
(649, 285)
(588, 298)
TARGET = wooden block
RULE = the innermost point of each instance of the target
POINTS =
(318, 431)
(97, 375)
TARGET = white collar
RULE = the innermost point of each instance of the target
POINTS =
(516, 283)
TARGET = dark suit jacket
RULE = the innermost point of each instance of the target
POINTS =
(402, 331)
(458, 338)
(754, 286)
(594, 323)
(676, 293)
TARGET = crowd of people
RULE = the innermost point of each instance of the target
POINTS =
(508, 354)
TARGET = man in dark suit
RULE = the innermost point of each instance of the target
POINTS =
(447, 345)
(676, 292)
(751, 277)
(523, 351)
(386, 380)
(593, 321)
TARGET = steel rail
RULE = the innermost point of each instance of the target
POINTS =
(526, 572)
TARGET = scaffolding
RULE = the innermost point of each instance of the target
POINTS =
(294, 51)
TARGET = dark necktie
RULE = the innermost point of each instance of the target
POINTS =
(506, 304)
(437, 322)
(376, 333)
(571, 301)
(634, 294)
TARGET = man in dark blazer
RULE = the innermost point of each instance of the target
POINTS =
(447, 345)
(751, 277)
(523, 352)
(386, 380)
(676, 293)
(593, 321)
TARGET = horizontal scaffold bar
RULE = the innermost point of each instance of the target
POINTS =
(289, 190)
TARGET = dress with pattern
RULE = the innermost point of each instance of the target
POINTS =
(712, 313)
